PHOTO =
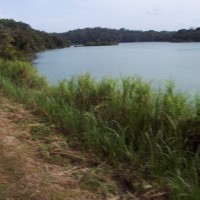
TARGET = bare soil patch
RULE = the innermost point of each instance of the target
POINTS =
(36, 163)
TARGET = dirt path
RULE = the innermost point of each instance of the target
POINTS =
(36, 164)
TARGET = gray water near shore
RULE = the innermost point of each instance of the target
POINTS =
(153, 61)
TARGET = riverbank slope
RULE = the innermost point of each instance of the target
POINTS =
(31, 165)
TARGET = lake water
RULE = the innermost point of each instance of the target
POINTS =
(153, 61)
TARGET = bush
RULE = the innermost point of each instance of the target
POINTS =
(22, 74)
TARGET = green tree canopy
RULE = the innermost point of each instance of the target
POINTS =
(7, 49)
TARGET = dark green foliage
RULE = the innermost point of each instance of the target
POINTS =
(183, 35)
(23, 39)
(100, 43)
(7, 49)
(94, 36)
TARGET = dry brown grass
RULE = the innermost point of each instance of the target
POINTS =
(37, 164)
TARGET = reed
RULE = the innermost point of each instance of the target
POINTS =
(126, 122)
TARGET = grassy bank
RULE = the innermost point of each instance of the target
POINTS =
(150, 135)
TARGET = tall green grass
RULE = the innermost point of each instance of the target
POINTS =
(125, 122)
(22, 74)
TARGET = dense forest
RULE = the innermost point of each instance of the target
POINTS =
(98, 36)
(18, 39)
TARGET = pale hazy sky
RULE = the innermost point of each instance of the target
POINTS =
(64, 15)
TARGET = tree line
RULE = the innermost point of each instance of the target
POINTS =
(106, 36)
(18, 39)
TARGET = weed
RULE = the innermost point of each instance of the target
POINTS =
(125, 122)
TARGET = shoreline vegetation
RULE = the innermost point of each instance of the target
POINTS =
(89, 44)
(149, 136)
(25, 40)
(102, 36)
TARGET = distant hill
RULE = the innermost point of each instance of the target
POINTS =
(95, 36)
(103, 35)
(25, 39)
(18, 38)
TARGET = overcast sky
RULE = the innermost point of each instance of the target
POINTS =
(64, 15)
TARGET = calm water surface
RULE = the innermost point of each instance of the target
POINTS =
(152, 61)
